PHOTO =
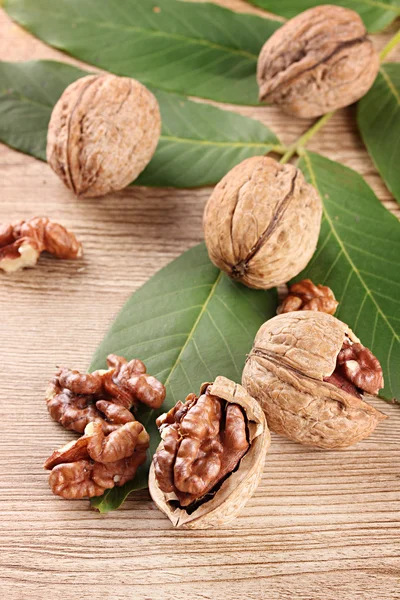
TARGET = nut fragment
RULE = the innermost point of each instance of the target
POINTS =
(304, 295)
(317, 62)
(75, 399)
(262, 221)
(295, 370)
(95, 462)
(22, 242)
(361, 367)
(211, 456)
(103, 132)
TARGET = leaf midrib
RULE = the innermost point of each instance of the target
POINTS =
(343, 248)
(150, 32)
(390, 84)
(201, 313)
(265, 145)
(390, 7)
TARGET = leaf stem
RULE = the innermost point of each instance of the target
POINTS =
(299, 144)
(389, 46)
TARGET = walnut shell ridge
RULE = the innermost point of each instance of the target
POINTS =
(291, 355)
(102, 133)
(235, 491)
(317, 62)
(262, 221)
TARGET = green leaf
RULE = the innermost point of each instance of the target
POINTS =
(197, 49)
(188, 323)
(376, 14)
(198, 146)
(378, 117)
(358, 258)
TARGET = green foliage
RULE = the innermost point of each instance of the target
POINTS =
(188, 323)
(198, 145)
(376, 14)
(378, 118)
(357, 257)
(195, 49)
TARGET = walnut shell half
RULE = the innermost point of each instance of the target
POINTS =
(262, 221)
(317, 62)
(102, 133)
(226, 500)
(292, 371)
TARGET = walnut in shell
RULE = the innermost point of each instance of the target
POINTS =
(211, 456)
(312, 377)
(262, 221)
(103, 132)
(317, 62)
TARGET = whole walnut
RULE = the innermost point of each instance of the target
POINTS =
(311, 375)
(211, 456)
(262, 221)
(317, 62)
(102, 133)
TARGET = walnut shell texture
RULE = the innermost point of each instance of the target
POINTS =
(292, 354)
(317, 62)
(262, 222)
(235, 491)
(103, 132)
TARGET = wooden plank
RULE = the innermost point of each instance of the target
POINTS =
(321, 525)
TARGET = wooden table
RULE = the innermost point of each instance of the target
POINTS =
(322, 525)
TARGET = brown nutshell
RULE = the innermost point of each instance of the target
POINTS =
(262, 221)
(103, 132)
(317, 62)
(296, 371)
(211, 456)
(22, 242)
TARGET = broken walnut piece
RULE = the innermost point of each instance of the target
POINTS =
(361, 367)
(75, 399)
(95, 462)
(200, 448)
(22, 242)
(305, 295)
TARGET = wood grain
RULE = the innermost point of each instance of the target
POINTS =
(322, 525)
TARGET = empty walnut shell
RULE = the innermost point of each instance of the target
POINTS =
(317, 62)
(229, 498)
(261, 223)
(292, 371)
(103, 132)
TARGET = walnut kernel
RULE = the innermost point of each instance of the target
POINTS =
(22, 242)
(211, 456)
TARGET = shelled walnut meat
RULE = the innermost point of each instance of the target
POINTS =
(312, 377)
(305, 295)
(319, 61)
(97, 462)
(22, 242)
(211, 456)
(262, 221)
(103, 132)
(75, 399)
